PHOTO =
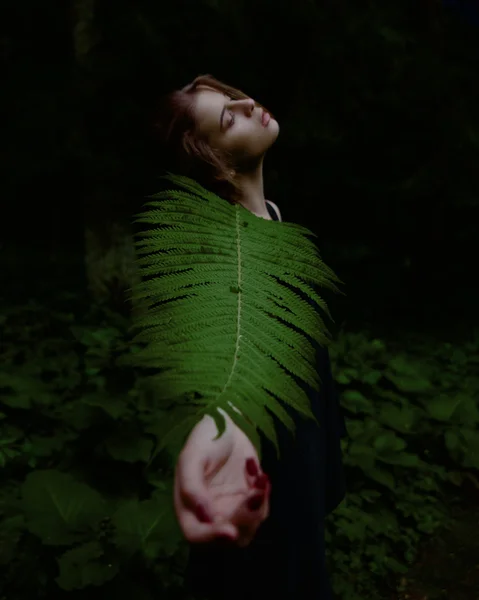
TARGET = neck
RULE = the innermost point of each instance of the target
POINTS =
(252, 192)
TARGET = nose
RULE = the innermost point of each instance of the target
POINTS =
(248, 106)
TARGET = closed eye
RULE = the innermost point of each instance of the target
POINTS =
(231, 123)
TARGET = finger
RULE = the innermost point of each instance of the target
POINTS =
(200, 509)
(252, 471)
(255, 476)
(191, 484)
(248, 530)
(252, 467)
(252, 511)
(262, 482)
(197, 532)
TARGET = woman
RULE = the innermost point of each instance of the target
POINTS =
(255, 529)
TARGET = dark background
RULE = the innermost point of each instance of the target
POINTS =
(378, 105)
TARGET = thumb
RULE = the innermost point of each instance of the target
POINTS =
(190, 473)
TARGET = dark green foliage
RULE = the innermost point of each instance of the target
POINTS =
(84, 509)
(81, 501)
(413, 433)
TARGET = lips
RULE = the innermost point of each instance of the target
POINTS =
(265, 119)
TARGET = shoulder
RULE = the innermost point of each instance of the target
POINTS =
(275, 208)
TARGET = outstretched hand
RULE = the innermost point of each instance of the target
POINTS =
(220, 492)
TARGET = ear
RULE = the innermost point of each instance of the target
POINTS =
(275, 208)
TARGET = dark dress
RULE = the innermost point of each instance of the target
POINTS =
(286, 560)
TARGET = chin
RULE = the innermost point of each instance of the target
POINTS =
(273, 126)
(273, 123)
(273, 130)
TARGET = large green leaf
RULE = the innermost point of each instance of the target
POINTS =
(362, 455)
(83, 566)
(412, 385)
(23, 390)
(149, 526)
(388, 442)
(58, 508)
(408, 375)
(356, 402)
(384, 477)
(402, 419)
(468, 408)
(442, 408)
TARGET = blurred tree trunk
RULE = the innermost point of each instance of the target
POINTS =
(109, 249)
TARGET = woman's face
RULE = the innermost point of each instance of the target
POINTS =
(234, 126)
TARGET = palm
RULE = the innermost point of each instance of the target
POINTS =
(226, 477)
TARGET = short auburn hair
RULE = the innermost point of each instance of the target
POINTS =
(186, 152)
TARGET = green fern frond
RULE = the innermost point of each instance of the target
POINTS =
(223, 336)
